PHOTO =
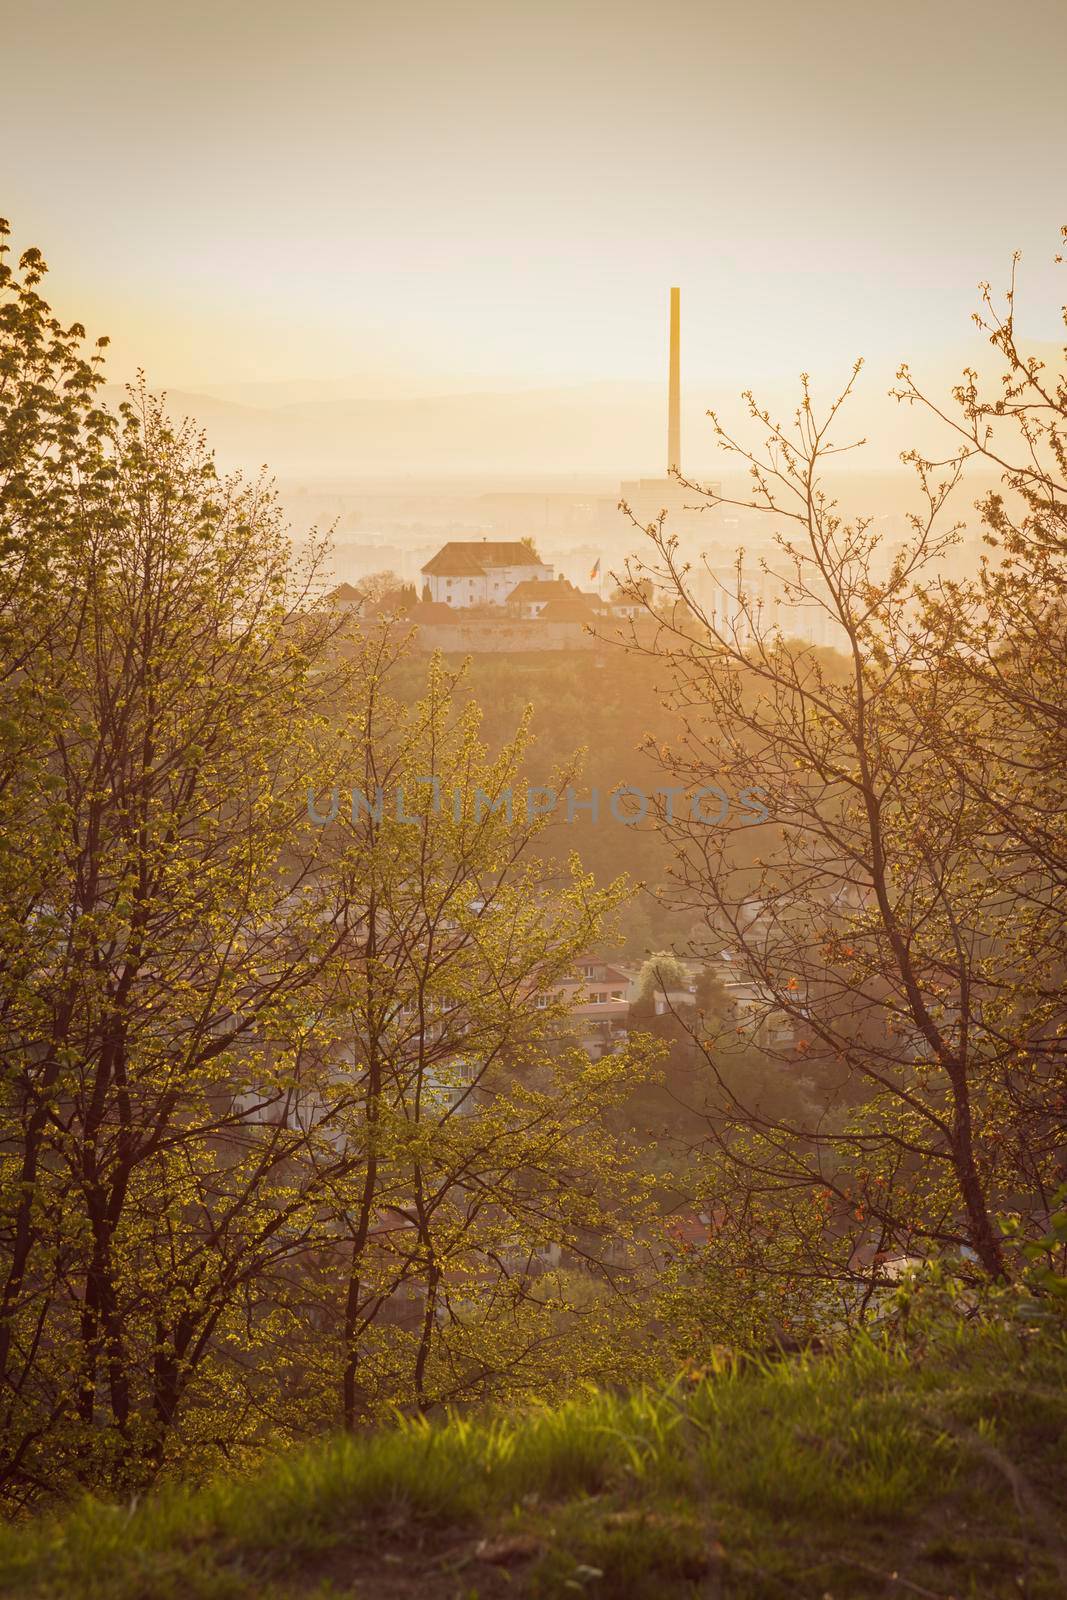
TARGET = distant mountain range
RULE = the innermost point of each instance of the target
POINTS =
(608, 430)
(596, 428)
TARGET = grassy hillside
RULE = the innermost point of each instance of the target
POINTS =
(871, 1474)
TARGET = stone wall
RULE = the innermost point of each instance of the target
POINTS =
(510, 636)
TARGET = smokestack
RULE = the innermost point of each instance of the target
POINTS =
(674, 405)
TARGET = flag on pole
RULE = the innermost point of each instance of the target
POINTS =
(595, 574)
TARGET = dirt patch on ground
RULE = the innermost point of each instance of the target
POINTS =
(449, 1567)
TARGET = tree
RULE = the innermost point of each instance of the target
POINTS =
(386, 590)
(483, 1144)
(662, 971)
(903, 915)
(169, 948)
(237, 1041)
(639, 591)
(1008, 668)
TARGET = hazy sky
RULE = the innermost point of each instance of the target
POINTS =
(418, 191)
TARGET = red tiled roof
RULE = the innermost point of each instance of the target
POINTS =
(454, 561)
(470, 557)
(540, 589)
(610, 974)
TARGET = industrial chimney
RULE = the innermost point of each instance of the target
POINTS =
(674, 403)
(649, 498)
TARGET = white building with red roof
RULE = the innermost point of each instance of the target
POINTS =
(480, 572)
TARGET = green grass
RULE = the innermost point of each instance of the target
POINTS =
(862, 1474)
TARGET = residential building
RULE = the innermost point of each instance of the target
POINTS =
(482, 572)
(529, 598)
(597, 996)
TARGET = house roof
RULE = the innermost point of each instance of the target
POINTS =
(455, 561)
(540, 589)
(393, 600)
(345, 595)
(461, 558)
(568, 608)
(608, 972)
